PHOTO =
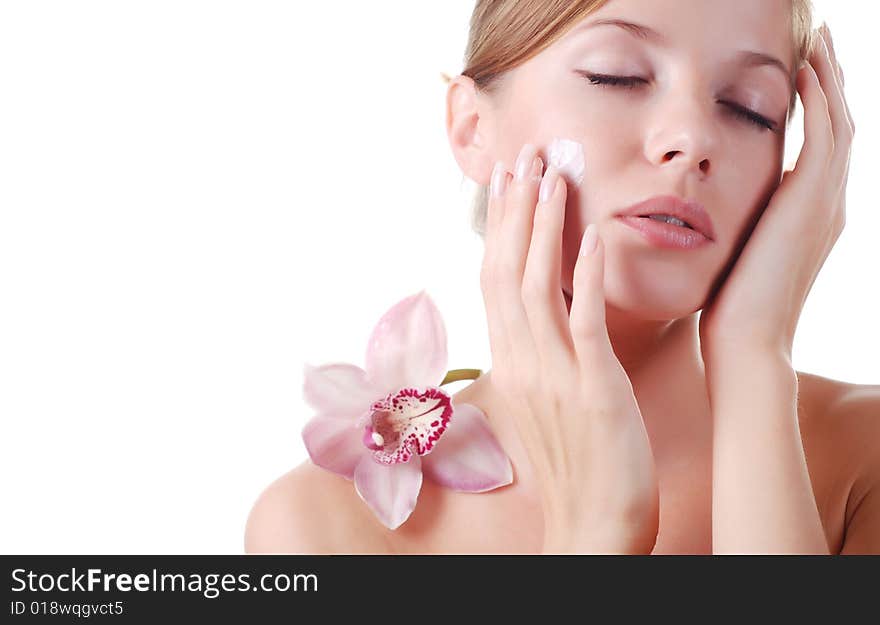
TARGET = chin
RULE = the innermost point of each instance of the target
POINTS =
(648, 292)
(654, 298)
(644, 306)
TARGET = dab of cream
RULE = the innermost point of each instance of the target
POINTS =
(568, 157)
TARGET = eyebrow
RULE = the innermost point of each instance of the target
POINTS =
(747, 57)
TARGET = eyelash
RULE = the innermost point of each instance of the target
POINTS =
(627, 82)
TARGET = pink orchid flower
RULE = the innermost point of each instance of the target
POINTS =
(386, 426)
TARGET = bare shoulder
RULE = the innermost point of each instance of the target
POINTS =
(309, 510)
(841, 426)
(849, 410)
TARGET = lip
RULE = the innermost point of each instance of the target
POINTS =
(690, 211)
(665, 235)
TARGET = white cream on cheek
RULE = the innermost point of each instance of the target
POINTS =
(568, 157)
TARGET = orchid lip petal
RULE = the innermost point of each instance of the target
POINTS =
(410, 421)
(469, 457)
(408, 345)
(390, 491)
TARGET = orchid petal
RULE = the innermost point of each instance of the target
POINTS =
(468, 458)
(408, 345)
(333, 444)
(338, 388)
(391, 491)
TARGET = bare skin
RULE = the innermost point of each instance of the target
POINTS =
(679, 135)
(310, 510)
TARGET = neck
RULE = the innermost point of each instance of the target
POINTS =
(639, 344)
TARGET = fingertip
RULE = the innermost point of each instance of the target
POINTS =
(600, 258)
(808, 85)
(563, 184)
(590, 240)
(587, 311)
(590, 267)
(495, 180)
(499, 182)
(803, 75)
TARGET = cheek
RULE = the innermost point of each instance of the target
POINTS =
(750, 189)
(567, 156)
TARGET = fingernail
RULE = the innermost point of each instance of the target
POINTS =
(829, 42)
(548, 184)
(525, 161)
(498, 180)
(826, 48)
(537, 168)
(590, 240)
(828, 34)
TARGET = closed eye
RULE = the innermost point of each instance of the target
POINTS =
(631, 82)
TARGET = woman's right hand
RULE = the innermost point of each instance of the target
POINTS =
(558, 376)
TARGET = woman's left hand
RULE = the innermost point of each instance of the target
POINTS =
(760, 302)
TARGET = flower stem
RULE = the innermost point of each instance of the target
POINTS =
(455, 375)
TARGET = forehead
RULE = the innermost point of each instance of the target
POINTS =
(705, 25)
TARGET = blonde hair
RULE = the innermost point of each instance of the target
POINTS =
(506, 33)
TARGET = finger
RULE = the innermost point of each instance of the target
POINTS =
(498, 184)
(836, 109)
(830, 40)
(841, 216)
(842, 142)
(495, 204)
(542, 286)
(498, 342)
(512, 248)
(827, 74)
(589, 332)
(826, 34)
(840, 80)
(818, 135)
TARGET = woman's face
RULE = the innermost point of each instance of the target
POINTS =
(681, 132)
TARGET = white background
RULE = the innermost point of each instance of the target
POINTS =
(196, 198)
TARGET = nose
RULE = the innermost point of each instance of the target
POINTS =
(682, 135)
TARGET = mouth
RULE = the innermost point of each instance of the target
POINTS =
(669, 219)
(672, 211)
(664, 234)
